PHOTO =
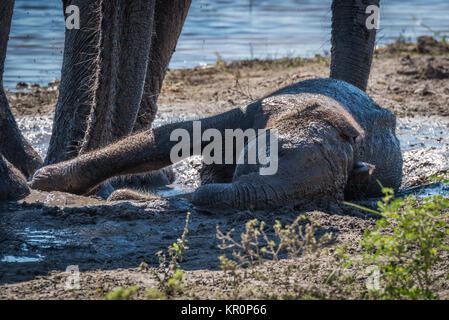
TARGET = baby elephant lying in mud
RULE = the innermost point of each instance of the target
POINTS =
(334, 142)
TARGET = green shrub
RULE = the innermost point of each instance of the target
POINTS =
(407, 243)
(255, 247)
(121, 293)
(169, 275)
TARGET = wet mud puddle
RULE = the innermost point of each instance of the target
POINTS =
(424, 142)
(425, 148)
(54, 230)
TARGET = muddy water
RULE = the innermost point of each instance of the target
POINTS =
(424, 142)
(37, 129)
(425, 147)
(51, 231)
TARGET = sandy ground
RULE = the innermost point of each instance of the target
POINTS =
(108, 241)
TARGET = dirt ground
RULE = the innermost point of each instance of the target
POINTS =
(109, 241)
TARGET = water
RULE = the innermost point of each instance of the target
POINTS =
(425, 149)
(229, 29)
(22, 259)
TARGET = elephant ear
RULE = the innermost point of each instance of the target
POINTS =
(326, 109)
(347, 126)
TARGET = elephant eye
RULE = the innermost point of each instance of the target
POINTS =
(352, 140)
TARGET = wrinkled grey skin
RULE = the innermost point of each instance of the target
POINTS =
(112, 71)
(112, 74)
(352, 42)
(13, 184)
(12, 144)
(327, 130)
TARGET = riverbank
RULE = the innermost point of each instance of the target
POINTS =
(409, 79)
(43, 234)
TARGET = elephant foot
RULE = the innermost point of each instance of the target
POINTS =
(13, 185)
(127, 194)
(62, 177)
(145, 181)
(23, 157)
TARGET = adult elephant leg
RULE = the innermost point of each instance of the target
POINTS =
(79, 68)
(103, 75)
(352, 41)
(13, 184)
(169, 20)
(12, 144)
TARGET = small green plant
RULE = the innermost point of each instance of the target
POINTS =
(154, 294)
(437, 34)
(169, 275)
(255, 246)
(407, 243)
(439, 178)
(121, 293)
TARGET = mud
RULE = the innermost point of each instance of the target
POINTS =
(50, 231)
(46, 232)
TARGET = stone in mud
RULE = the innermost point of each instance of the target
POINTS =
(427, 44)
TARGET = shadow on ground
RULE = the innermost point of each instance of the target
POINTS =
(51, 231)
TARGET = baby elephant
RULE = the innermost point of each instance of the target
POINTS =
(333, 142)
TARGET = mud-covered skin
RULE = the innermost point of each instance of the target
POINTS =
(325, 127)
(112, 73)
(380, 147)
(129, 194)
(13, 184)
(144, 182)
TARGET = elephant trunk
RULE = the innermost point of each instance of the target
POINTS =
(352, 41)
(13, 185)
(142, 152)
(151, 150)
(13, 145)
